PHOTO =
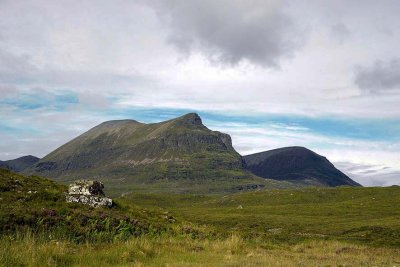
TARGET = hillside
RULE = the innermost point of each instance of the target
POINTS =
(179, 155)
(298, 165)
(19, 164)
(37, 204)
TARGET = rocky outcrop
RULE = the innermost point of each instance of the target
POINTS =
(88, 192)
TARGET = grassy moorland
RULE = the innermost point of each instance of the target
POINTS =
(361, 215)
(34, 250)
(303, 227)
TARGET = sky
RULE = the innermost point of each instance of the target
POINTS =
(319, 74)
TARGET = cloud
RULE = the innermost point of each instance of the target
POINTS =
(381, 76)
(93, 99)
(14, 66)
(229, 32)
(6, 90)
(61, 74)
(370, 175)
(340, 32)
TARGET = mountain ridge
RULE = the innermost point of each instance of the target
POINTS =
(181, 155)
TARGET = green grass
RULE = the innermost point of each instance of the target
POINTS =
(38, 250)
(362, 215)
(344, 226)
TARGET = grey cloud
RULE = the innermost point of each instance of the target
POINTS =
(12, 65)
(382, 75)
(19, 69)
(340, 32)
(229, 32)
(93, 99)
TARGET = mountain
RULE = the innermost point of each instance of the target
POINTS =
(179, 155)
(296, 164)
(19, 164)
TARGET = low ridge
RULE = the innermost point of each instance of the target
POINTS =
(19, 164)
(296, 164)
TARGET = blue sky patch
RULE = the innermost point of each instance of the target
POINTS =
(41, 99)
(363, 129)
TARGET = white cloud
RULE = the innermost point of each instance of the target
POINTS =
(122, 49)
(371, 175)
(123, 54)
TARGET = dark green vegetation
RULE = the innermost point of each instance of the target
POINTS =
(38, 205)
(19, 164)
(179, 155)
(354, 214)
(297, 165)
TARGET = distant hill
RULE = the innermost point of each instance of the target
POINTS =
(296, 164)
(179, 155)
(19, 164)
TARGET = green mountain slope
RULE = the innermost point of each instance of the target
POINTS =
(298, 165)
(179, 155)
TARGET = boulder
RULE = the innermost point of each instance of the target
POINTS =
(88, 192)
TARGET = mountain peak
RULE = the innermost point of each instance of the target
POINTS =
(190, 119)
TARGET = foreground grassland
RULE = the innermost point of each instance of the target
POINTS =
(28, 250)
(303, 227)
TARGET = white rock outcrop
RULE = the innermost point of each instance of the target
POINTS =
(88, 192)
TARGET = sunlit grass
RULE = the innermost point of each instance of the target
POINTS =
(34, 250)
